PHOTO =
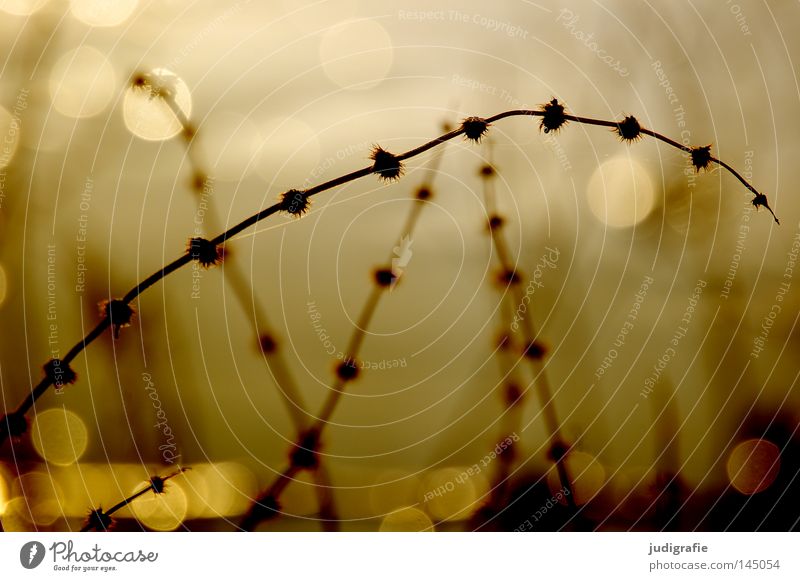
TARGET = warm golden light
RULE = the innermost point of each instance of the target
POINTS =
(82, 83)
(222, 489)
(231, 144)
(3, 285)
(161, 512)
(43, 498)
(406, 520)
(753, 466)
(620, 192)
(356, 54)
(587, 477)
(59, 436)
(289, 153)
(102, 12)
(4, 492)
(458, 493)
(150, 116)
(394, 489)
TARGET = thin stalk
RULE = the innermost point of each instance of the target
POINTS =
(100, 519)
(223, 237)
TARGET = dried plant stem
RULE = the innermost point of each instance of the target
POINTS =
(235, 278)
(100, 519)
(9, 424)
(271, 495)
(509, 274)
(511, 394)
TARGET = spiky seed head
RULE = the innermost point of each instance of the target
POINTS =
(157, 483)
(387, 165)
(508, 277)
(701, 157)
(205, 252)
(534, 350)
(305, 453)
(347, 370)
(384, 277)
(558, 451)
(513, 394)
(295, 202)
(265, 508)
(267, 344)
(629, 129)
(495, 222)
(553, 118)
(118, 313)
(13, 425)
(474, 128)
(59, 373)
(97, 520)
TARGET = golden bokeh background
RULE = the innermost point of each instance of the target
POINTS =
(670, 314)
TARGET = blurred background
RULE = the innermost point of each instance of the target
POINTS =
(667, 303)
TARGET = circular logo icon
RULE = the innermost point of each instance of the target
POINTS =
(31, 554)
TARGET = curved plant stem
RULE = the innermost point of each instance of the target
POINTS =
(222, 238)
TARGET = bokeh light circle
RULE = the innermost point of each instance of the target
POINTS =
(3, 285)
(587, 477)
(151, 117)
(102, 12)
(406, 520)
(289, 153)
(231, 142)
(59, 436)
(753, 466)
(459, 494)
(356, 54)
(82, 83)
(21, 7)
(620, 192)
(161, 512)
